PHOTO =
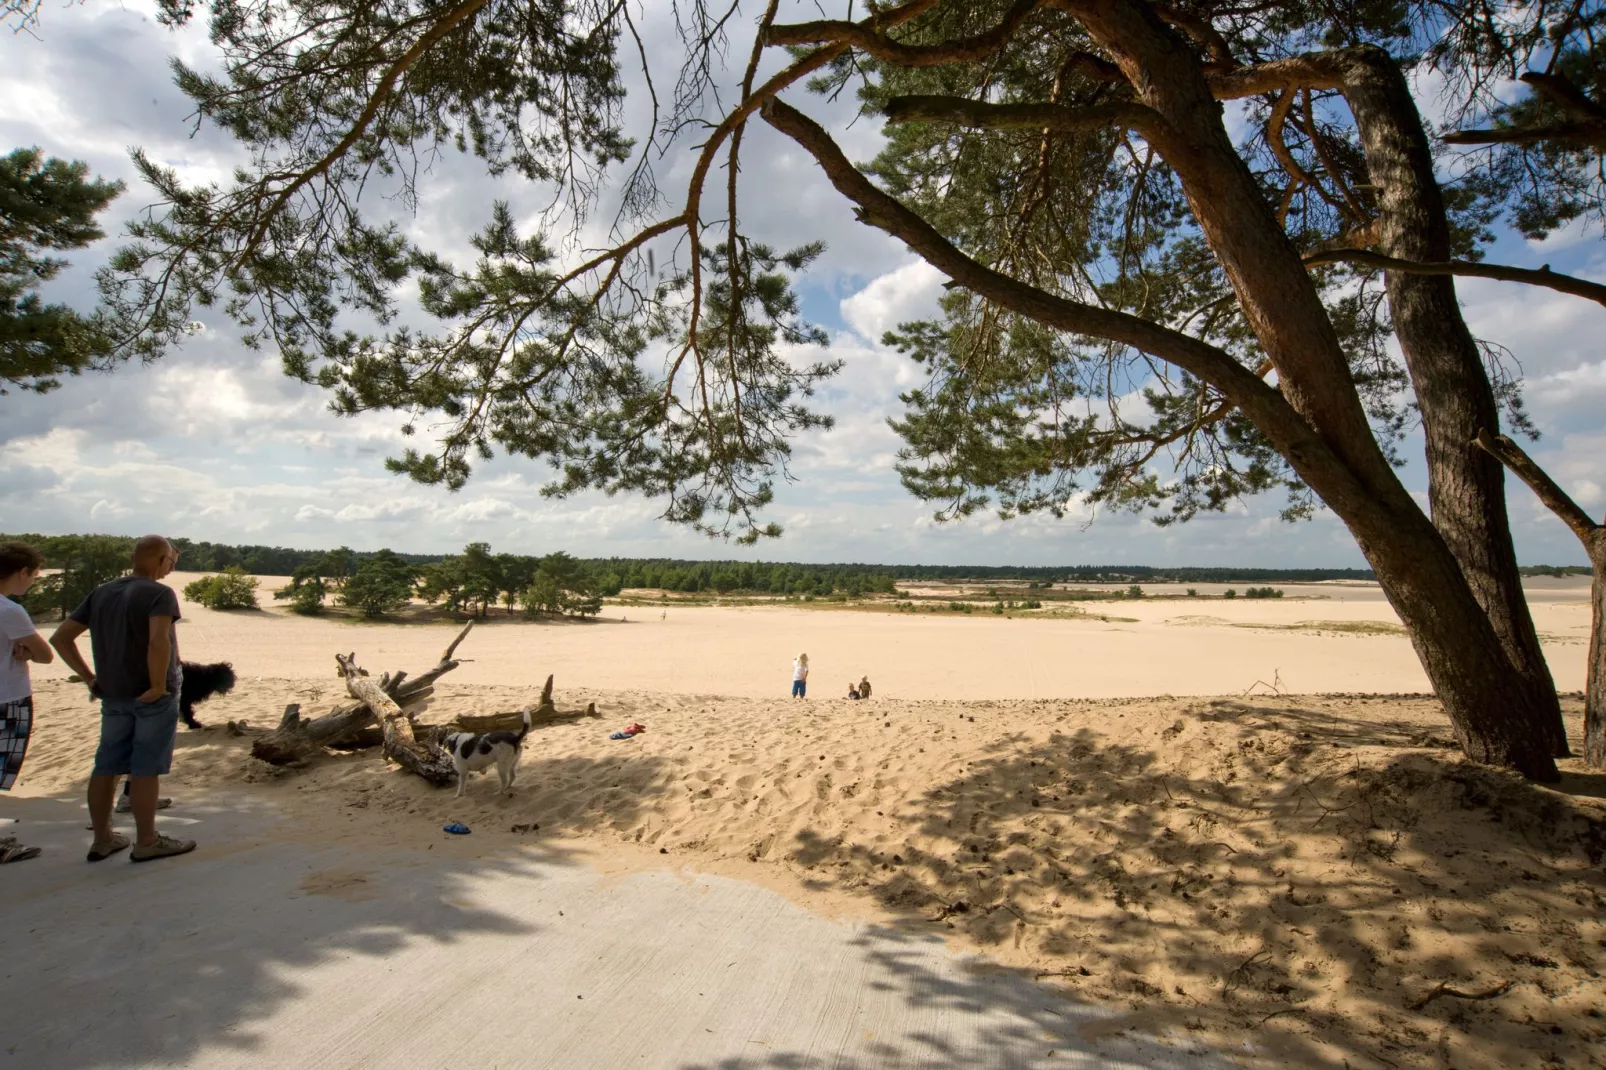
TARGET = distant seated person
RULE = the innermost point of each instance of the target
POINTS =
(864, 687)
(853, 692)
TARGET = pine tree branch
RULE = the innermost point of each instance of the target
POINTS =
(387, 82)
(1259, 401)
(1547, 490)
(1586, 125)
(1589, 133)
(871, 40)
(1566, 95)
(734, 121)
(1551, 280)
(1056, 117)
(1314, 70)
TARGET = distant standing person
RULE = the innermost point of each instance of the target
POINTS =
(137, 679)
(864, 687)
(800, 676)
(19, 567)
(853, 691)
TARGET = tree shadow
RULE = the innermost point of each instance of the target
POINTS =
(120, 965)
(115, 964)
(1324, 887)
(974, 1015)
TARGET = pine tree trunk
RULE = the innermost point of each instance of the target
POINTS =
(1595, 685)
(1496, 715)
(1491, 707)
(1466, 486)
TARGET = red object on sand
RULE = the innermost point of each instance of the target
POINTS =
(635, 728)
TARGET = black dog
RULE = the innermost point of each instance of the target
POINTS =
(201, 682)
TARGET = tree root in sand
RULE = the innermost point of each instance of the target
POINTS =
(1443, 989)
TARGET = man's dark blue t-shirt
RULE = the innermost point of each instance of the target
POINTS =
(118, 615)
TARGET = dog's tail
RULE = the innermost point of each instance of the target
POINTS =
(524, 729)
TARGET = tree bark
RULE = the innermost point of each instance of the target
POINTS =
(1466, 486)
(540, 717)
(297, 740)
(1595, 687)
(1593, 536)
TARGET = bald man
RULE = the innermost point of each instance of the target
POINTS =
(130, 622)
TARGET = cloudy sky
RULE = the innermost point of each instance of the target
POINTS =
(215, 443)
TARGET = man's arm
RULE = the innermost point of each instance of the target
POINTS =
(157, 657)
(32, 648)
(65, 640)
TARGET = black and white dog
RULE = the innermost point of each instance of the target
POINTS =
(201, 682)
(472, 753)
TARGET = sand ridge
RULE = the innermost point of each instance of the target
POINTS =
(1291, 875)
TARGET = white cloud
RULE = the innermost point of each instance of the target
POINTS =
(908, 293)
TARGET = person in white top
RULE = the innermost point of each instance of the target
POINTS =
(800, 676)
(19, 567)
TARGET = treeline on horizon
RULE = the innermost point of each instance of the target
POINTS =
(613, 574)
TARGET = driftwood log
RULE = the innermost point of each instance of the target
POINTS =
(400, 744)
(296, 739)
(541, 714)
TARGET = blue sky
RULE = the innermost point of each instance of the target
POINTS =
(214, 443)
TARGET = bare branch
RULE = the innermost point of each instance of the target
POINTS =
(1567, 284)
(1547, 490)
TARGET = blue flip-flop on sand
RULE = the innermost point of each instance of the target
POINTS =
(457, 828)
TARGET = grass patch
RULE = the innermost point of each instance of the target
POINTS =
(1338, 627)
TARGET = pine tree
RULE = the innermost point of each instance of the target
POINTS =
(1068, 164)
(46, 205)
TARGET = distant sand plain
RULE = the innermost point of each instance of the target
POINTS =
(1164, 646)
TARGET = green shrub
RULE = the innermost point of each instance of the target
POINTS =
(1229, 593)
(382, 584)
(1134, 591)
(305, 593)
(229, 589)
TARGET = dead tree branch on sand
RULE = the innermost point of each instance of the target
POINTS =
(401, 745)
(296, 740)
(383, 715)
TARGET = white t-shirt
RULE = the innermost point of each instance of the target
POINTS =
(14, 624)
(800, 670)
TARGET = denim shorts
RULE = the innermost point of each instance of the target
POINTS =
(136, 737)
(800, 688)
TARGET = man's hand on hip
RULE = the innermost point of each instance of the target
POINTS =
(152, 695)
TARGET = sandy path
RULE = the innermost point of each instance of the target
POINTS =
(1173, 646)
(269, 952)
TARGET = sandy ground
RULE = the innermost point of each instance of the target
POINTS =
(1171, 646)
(280, 952)
(1282, 882)
(1275, 880)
